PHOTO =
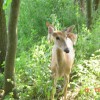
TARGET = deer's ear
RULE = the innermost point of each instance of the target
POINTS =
(47, 24)
(50, 31)
(73, 37)
(69, 29)
(50, 28)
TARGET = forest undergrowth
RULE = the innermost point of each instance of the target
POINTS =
(33, 77)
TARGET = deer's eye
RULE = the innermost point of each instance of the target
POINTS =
(57, 38)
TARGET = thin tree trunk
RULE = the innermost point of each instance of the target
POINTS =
(9, 83)
(96, 4)
(82, 6)
(3, 35)
(89, 17)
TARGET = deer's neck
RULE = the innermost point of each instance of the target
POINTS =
(60, 56)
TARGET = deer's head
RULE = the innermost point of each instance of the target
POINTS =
(62, 37)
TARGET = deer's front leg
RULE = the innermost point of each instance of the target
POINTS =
(66, 78)
(54, 88)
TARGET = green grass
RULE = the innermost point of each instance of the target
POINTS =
(33, 56)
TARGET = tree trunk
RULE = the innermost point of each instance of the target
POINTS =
(9, 83)
(89, 18)
(96, 4)
(82, 6)
(3, 34)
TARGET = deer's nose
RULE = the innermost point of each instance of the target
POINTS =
(66, 50)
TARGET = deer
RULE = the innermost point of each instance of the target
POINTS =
(63, 55)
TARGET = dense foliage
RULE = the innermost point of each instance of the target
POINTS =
(34, 52)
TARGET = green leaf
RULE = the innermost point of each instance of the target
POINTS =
(6, 3)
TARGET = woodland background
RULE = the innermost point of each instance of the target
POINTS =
(29, 53)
